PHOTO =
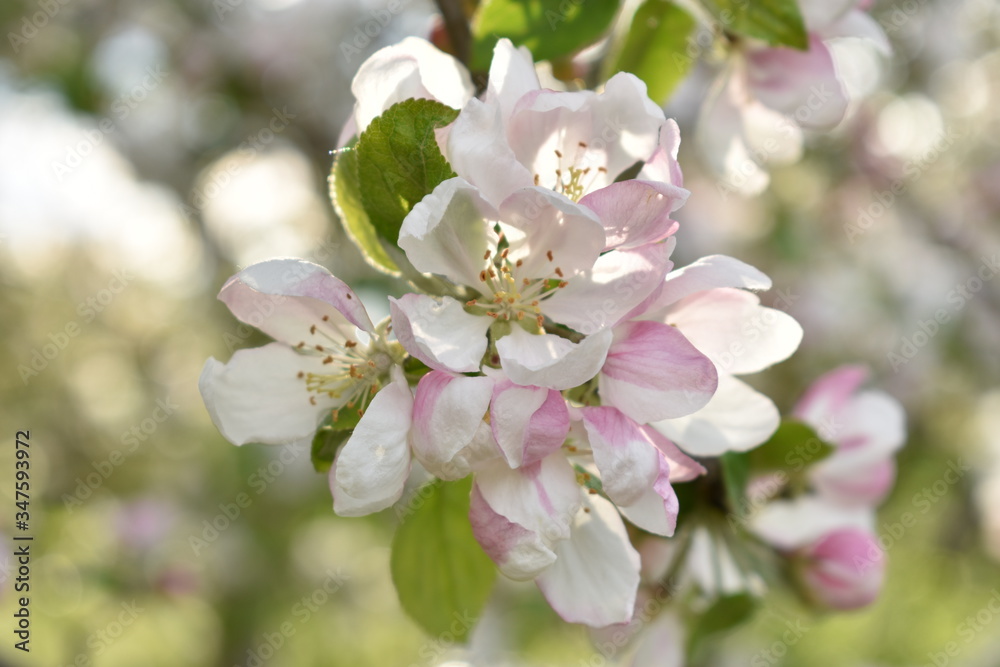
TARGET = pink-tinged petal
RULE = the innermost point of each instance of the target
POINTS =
(412, 68)
(371, 468)
(285, 298)
(449, 231)
(721, 140)
(662, 165)
(258, 396)
(661, 644)
(547, 360)
(518, 552)
(477, 150)
(737, 419)
(541, 498)
(819, 14)
(859, 25)
(596, 573)
(734, 330)
(635, 213)
(439, 332)
(800, 84)
(620, 281)
(707, 273)
(447, 412)
(873, 421)
(656, 509)
(512, 76)
(626, 460)
(529, 423)
(792, 524)
(541, 223)
(849, 479)
(828, 395)
(843, 570)
(683, 468)
(652, 372)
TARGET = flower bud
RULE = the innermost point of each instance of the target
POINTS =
(842, 570)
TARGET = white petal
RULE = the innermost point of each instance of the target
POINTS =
(479, 153)
(627, 461)
(285, 298)
(546, 223)
(448, 232)
(512, 75)
(547, 360)
(860, 25)
(738, 418)
(596, 574)
(447, 412)
(371, 468)
(790, 524)
(818, 14)
(257, 396)
(662, 165)
(873, 420)
(709, 273)
(661, 643)
(439, 332)
(618, 283)
(734, 330)
(412, 68)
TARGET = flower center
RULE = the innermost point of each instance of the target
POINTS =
(356, 372)
(572, 179)
(508, 296)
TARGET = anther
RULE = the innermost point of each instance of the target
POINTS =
(350, 343)
(328, 360)
(559, 272)
(548, 253)
(319, 348)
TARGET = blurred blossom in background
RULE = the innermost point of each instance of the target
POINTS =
(149, 150)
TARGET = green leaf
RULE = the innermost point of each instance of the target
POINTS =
(777, 22)
(333, 432)
(345, 193)
(551, 29)
(399, 162)
(792, 447)
(441, 574)
(735, 474)
(655, 49)
(725, 614)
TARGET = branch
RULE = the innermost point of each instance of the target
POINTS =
(457, 25)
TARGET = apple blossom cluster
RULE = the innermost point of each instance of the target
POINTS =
(767, 95)
(549, 349)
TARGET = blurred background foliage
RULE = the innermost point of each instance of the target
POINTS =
(151, 149)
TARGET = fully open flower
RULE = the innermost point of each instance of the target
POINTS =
(709, 304)
(866, 427)
(558, 519)
(754, 113)
(327, 356)
(574, 143)
(545, 263)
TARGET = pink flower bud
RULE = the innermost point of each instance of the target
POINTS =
(843, 570)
